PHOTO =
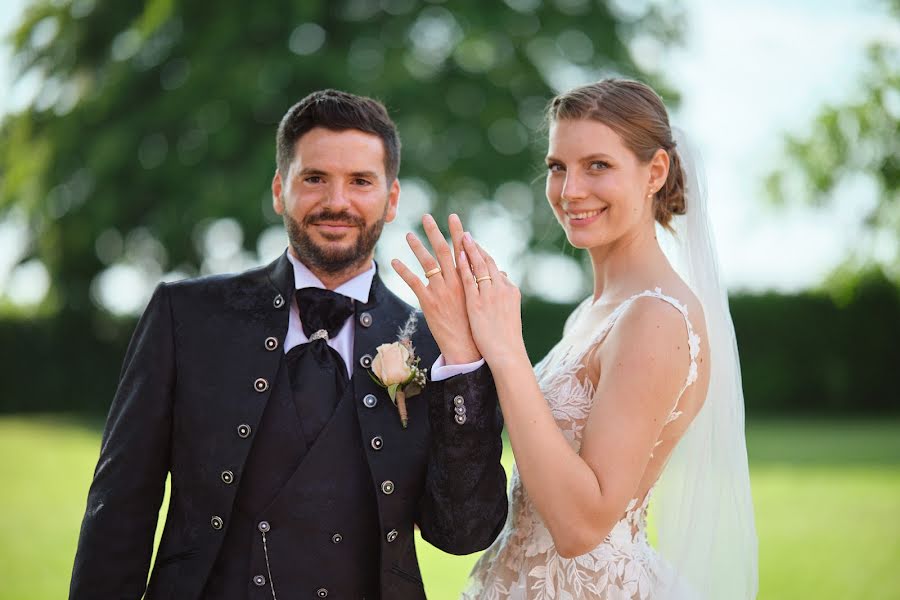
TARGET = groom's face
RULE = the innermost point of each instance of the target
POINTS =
(335, 198)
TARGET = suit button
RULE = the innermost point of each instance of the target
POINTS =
(460, 410)
(322, 593)
(391, 536)
(458, 401)
(370, 400)
(227, 476)
(337, 538)
(460, 419)
(387, 487)
(259, 581)
(217, 523)
(278, 302)
(365, 319)
(377, 443)
(264, 526)
(271, 343)
(260, 385)
(243, 431)
(366, 361)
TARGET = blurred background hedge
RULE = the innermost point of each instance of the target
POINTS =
(805, 354)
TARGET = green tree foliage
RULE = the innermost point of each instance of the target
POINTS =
(156, 116)
(860, 139)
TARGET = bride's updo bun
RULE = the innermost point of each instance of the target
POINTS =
(634, 111)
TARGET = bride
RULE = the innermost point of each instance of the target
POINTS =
(640, 399)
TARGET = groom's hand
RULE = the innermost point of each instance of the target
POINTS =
(443, 298)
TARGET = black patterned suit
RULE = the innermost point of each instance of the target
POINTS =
(255, 507)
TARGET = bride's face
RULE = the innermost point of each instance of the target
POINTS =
(596, 186)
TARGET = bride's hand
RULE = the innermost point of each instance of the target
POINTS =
(493, 303)
(442, 299)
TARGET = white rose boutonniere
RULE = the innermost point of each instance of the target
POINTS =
(396, 368)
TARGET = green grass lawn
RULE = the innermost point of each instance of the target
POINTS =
(827, 499)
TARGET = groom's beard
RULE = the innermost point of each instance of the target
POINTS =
(333, 260)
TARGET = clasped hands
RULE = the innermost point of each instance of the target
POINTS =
(472, 308)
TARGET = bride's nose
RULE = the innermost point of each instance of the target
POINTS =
(573, 188)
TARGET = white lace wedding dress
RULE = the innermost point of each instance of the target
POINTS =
(523, 562)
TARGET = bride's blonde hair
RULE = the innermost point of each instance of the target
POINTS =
(634, 111)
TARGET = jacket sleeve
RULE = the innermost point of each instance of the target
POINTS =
(123, 503)
(464, 504)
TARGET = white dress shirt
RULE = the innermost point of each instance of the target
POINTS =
(358, 289)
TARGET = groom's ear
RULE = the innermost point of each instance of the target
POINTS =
(277, 198)
(393, 201)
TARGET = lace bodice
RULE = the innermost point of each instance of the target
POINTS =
(523, 562)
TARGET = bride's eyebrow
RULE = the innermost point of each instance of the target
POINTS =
(597, 156)
(590, 157)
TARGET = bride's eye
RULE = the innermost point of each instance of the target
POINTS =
(555, 167)
(599, 165)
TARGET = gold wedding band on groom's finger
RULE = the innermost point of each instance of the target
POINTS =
(483, 278)
(432, 272)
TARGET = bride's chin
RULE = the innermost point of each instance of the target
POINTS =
(584, 242)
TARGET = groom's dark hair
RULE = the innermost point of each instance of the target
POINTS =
(337, 111)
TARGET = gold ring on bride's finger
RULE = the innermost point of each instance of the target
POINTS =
(432, 272)
(483, 278)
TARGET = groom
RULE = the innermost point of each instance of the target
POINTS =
(291, 474)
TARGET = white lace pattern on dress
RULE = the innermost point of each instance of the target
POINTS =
(523, 562)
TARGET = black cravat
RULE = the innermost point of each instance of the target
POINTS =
(323, 310)
(317, 371)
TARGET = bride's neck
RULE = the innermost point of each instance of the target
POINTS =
(634, 260)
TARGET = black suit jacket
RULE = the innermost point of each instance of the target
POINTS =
(195, 381)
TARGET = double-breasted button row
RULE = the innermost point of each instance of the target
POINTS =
(387, 487)
(243, 431)
(377, 443)
(260, 385)
(370, 400)
(459, 410)
(271, 343)
(365, 319)
(217, 522)
(227, 476)
(366, 361)
(278, 302)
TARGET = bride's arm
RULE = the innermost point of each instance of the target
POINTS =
(580, 496)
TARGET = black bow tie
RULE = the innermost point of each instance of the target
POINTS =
(322, 310)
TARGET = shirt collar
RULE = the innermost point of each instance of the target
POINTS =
(356, 288)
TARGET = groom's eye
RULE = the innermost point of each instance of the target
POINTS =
(313, 179)
(360, 181)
